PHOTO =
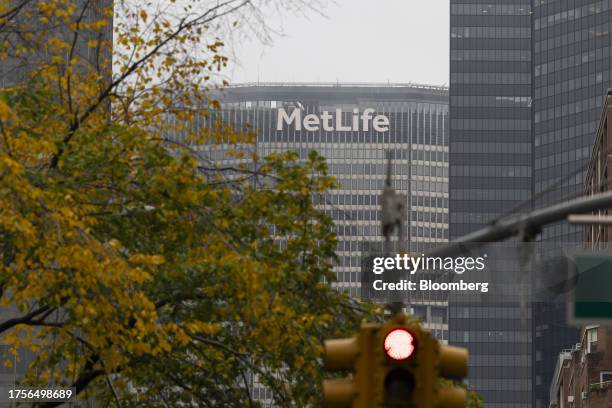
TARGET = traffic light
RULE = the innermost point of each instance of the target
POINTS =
(394, 364)
(408, 372)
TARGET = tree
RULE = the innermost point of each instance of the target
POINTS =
(137, 275)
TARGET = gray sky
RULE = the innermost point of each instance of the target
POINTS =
(357, 41)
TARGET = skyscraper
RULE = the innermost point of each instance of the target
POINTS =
(413, 127)
(415, 135)
(571, 75)
(490, 173)
(490, 108)
(528, 75)
(571, 58)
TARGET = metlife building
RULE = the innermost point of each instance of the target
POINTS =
(354, 127)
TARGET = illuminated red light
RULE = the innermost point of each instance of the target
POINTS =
(399, 344)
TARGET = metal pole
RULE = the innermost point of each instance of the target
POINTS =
(531, 223)
(589, 219)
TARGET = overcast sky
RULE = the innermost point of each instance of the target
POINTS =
(357, 41)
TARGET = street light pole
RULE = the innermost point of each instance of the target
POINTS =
(589, 219)
(530, 223)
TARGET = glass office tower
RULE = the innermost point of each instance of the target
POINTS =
(490, 108)
(490, 173)
(571, 43)
(556, 61)
(571, 75)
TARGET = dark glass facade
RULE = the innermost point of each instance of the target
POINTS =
(572, 72)
(490, 109)
(531, 74)
(490, 173)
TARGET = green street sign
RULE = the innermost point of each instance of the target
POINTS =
(591, 299)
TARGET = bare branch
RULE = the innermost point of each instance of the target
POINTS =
(12, 13)
(183, 25)
(28, 318)
(244, 358)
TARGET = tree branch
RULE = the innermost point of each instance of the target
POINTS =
(244, 358)
(8, 324)
(183, 25)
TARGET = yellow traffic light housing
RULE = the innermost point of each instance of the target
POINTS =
(354, 354)
(452, 363)
(395, 364)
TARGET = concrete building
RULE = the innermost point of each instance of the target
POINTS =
(416, 136)
(583, 375)
(412, 127)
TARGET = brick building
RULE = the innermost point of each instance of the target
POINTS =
(600, 166)
(583, 375)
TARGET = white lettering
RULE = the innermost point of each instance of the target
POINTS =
(365, 118)
(380, 123)
(326, 117)
(296, 116)
(339, 126)
(377, 267)
(312, 122)
(416, 263)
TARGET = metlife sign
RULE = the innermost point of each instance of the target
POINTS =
(358, 121)
(350, 125)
